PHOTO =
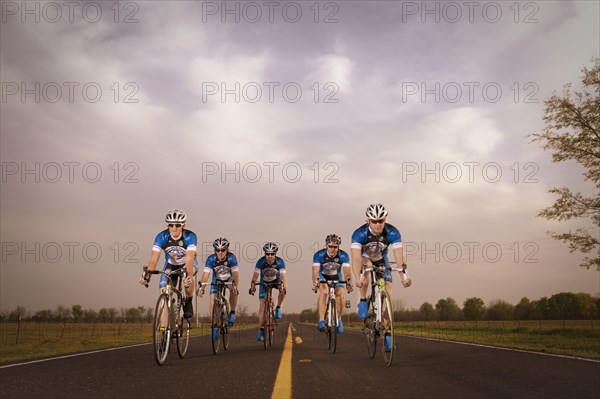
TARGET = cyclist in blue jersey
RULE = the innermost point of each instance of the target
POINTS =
(179, 245)
(224, 267)
(331, 263)
(270, 269)
(370, 243)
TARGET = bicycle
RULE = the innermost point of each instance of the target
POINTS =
(269, 321)
(380, 315)
(169, 311)
(220, 314)
(331, 319)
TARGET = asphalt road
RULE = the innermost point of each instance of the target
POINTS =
(421, 368)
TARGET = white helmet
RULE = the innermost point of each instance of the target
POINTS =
(175, 216)
(270, 247)
(221, 243)
(376, 212)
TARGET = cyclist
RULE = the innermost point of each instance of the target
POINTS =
(224, 267)
(270, 269)
(369, 246)
(179, 245)
(331, 263)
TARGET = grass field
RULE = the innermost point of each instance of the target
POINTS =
(570, 337)
(39, 340)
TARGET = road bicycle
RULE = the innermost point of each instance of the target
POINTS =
(331, 317)
(269, 321)
(220, 315)
(380, 318)
(169, 323)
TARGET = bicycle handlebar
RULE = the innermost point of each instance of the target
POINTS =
(178, 272)
(401, 270)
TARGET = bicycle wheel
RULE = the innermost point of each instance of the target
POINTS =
(327, 328)
(162, 329)
(266, 319)
(387, 313)
(332, 326)
(215, 323)
(369, 331)
(183, 336)
(271, 323)
(225, 325)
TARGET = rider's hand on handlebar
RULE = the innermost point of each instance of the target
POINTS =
(145, 279)
(349, 287)
(315, 286)
(252, 290)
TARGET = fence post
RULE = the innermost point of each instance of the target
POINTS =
(18, 331)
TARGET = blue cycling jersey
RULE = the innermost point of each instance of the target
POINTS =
(375, 247)
(270, 272)
(221, 269)
(330, 267)
(175, 250)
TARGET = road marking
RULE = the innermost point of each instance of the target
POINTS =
(72, 355)
(84, 353)
(298, 340)
(531, 352)
(283, 383)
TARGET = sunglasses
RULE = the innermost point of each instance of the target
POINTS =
(220, 250)
(270, 254)
(380, 221)
(333, 246)
(175, 225)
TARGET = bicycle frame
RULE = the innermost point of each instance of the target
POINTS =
(331, 314)
(220, 313)
(172, 296)
(375, 323)
(269, 322)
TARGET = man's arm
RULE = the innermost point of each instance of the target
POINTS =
(399, 258)
(154, 257)
(356, 254)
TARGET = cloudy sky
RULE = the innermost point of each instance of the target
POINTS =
(281, 121)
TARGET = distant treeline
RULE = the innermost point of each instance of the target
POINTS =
(561, 306)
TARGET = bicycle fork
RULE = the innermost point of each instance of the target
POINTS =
(331, 322)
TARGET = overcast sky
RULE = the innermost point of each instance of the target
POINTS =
(282, 121)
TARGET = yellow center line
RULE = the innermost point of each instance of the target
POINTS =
(283, 382)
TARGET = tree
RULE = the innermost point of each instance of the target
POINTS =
(427, 311)
(570, 306)
(62, 312)
(19, 313)
(90, 315)
(308, 315)
(572, 132)
(541, 309)
(473, 308)
(447, 309)
(43, 315)
(103, 315)
(112, 313)
(525, 309)
(77, 312)
(500, 310)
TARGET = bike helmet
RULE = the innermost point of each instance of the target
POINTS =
(221, 243)
(175, 216)
(376, 212)
(333, 239)
(270, 247)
